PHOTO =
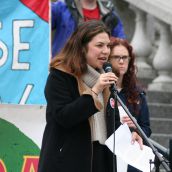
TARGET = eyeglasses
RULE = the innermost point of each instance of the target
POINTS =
(118, 58)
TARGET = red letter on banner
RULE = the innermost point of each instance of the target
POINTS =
(2, 166)
(30, 164)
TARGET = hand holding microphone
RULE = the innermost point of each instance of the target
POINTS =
(105, 80)
(108, 69)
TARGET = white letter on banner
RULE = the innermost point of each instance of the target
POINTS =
(18, 45)
(4, 50)
(26, 94)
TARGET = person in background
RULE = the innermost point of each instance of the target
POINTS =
(66, 14)
(77, 91)
(122, 59)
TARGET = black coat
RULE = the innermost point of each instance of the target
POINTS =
(66, 144)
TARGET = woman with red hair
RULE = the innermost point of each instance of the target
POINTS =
(131, 93)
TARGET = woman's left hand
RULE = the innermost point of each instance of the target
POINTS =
(136, 137)
(126, 119)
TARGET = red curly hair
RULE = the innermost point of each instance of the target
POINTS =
(130, 83)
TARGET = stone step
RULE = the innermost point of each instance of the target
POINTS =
(160, 110)
(145, 82)
(161, 125)
(162, 139)
(160, 170)
(159, 97)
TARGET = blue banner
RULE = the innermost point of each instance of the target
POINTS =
(24, 51)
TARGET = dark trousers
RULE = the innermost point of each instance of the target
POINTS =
(132, 169)
(101, 158)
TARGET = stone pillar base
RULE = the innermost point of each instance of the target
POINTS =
(145, 71)
(165, 87)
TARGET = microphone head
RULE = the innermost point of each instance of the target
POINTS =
(107, 67)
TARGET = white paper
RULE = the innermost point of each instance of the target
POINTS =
(122, 113)
(130, 153)
(121, 165)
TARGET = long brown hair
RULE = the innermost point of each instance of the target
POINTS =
(73, 53)
(130, 83)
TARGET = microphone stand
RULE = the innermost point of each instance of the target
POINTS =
(142, 134)
(114, 91)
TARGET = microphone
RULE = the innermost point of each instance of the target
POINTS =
(107, 67)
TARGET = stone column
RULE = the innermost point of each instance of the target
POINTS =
(162, 61)
(142, 45)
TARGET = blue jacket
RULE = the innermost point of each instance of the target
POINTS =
(64, 24)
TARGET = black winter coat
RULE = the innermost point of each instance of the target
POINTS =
(66, 144)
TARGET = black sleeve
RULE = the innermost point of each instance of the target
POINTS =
(64, 103)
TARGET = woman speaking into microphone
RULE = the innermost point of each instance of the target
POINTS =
(77, 91)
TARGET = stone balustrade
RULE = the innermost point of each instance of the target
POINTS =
(160, 69)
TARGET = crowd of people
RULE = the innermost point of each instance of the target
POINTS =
(80, 114)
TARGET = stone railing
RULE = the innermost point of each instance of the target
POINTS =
(159, 70)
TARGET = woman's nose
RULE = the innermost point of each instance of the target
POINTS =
(106, 50)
